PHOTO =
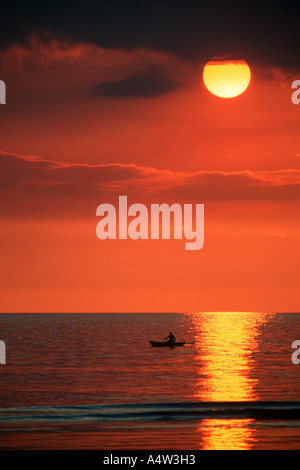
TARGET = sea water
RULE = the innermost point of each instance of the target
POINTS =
(92, 381)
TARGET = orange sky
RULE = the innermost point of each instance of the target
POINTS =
(64, 151)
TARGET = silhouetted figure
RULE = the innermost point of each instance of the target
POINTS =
(171, 338)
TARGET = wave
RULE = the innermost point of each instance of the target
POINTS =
(180, 411)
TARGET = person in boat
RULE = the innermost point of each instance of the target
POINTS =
(171, 338)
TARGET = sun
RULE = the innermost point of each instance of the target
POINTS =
(226, 78)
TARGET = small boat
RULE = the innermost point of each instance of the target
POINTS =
(161, 344)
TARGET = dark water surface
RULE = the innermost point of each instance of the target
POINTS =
(93, 381)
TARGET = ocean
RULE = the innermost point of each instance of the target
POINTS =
(92, 381)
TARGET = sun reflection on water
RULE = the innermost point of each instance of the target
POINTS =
(225, 344)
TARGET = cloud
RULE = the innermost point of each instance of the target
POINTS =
(207, 186)
(19, 171)
(259, 32)
(40, 51)
(149, 84)
(273, 234)
(42, 176)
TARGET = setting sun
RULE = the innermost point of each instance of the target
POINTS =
(225, 78)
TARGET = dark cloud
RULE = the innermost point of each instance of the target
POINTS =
(260, 32)
(50, 177)
(149, 84)
(205, 186)
(19, 171)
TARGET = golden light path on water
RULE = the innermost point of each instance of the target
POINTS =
(225, 344)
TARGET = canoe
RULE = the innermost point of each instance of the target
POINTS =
(160, 344)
